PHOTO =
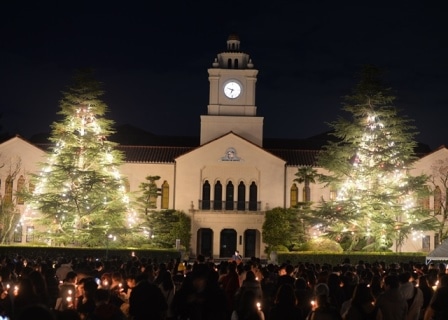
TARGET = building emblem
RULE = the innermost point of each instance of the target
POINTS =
(230, 155)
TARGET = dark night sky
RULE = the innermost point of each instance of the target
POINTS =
(152, 57)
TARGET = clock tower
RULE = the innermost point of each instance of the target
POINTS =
(232, 97)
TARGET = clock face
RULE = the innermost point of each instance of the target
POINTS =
(232, 89)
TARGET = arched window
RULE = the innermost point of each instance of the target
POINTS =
(127, 186)
(217, 199)
(165, 195)
(229, 195)
(32, 187)
(29, 234)
(293, 195)
(18, 233)
(241, 204)
(423, 201)
(206, 195)
(20, 189)
(253, 190)
(8, 189)
(437, 200)
(333, 193)
(235, 66)
(229, 64)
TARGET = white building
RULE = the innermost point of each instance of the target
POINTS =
(228, 181)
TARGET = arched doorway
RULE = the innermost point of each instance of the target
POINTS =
(205, 242)
(227, 243)
(250, 243)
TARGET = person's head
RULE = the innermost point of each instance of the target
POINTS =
(71, 277)
(362, 295)
(285, 295)
(321, 289)
(444, 281)
(131, 281)
(391, 281)
(250, 276)
(102, 296)
(404, 277)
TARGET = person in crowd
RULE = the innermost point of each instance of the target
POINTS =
(322, 308)
(391, 304)
(24, 296)
(146, 300)
(67, 292)
(252, 284)
(438, 306)
(230, 284)
(249, 308)
(412, 294)
(361, 305)
(286, 276)
(337, 294)
(200, 296)
(285, 305)
(85, 301)
(104, 309)
(427, 291)
(5, 301)
(168, 290)
(63, 268)
(237, 257)
(304, 295)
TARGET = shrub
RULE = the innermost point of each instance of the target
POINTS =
(321, 244)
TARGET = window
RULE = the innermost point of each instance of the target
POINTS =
(8, 189)
(165, 195)
(32, 187)
(20, 188)
(18, 233)
(236, 64)
(30, 234)
(229, 196)
(241, 204)
(333, 194)
(437, 200)
(436, 240)
(206, 195)
(253, 190)
(229, 64)
(217, 203)
(423, 201)
(294, 195)
(426, 243)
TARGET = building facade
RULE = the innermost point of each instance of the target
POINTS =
(229, 180)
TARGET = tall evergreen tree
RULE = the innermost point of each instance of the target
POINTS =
(79, 191)
(368, 163)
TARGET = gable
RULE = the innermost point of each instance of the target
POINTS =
(230, 148)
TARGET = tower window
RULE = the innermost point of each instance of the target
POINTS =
(241, 204)
(217, 204)
(253, 190)
(206, 195)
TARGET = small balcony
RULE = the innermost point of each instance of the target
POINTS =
(223, 206)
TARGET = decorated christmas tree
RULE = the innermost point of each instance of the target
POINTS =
(79, 196)
(368, 163)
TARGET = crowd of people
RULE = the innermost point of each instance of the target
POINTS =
(143, 288)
